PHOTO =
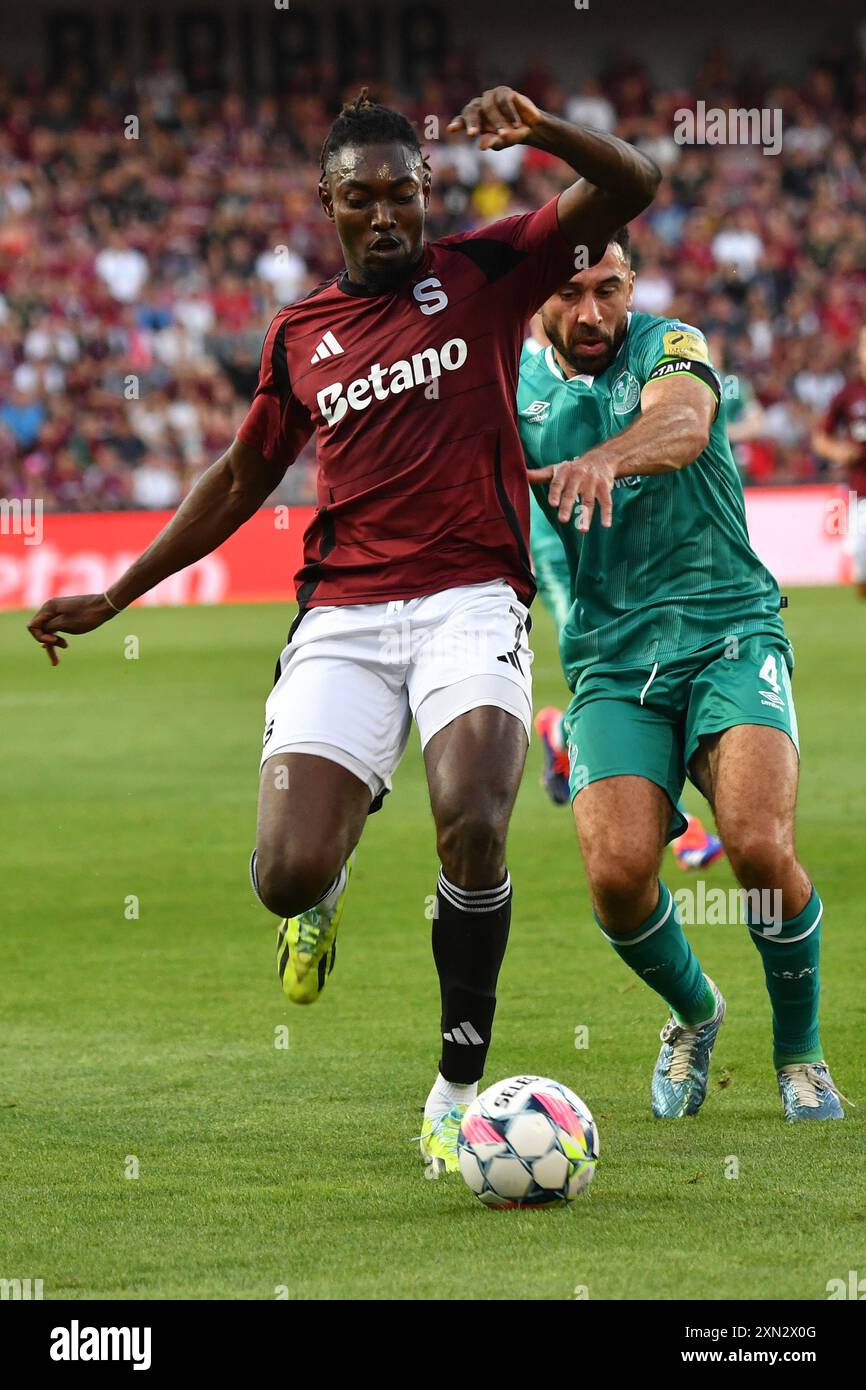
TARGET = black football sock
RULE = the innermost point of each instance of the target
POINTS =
(470, 932)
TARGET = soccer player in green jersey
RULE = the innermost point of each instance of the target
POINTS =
(555, 573)
(679, 665)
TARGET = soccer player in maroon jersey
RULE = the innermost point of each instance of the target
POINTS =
(416, 580)
(841, 438)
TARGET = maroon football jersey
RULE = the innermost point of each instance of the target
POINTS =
(421, 479)
(846, 419)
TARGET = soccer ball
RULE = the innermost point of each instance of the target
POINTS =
(527, 1142)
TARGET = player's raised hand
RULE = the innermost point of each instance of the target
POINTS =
(845, 454)
(500, 116)
(587, 480)
(74, 613)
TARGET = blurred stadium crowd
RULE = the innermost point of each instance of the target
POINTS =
(137, 276)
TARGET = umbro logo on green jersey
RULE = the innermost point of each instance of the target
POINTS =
(536, 412)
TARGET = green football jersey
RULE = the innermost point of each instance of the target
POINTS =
(554, 550)
(554, 576)
(675, 571)
(738, 401)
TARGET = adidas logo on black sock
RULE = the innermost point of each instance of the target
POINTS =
(464, 1034)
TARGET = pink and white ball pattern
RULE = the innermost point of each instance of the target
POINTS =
(528, 1141)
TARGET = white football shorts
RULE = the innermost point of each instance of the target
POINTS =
(352, 677)
(856, 541)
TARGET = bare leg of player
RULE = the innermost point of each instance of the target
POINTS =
(311, 815)
(622, 824)
(750, 774)
(472, 796)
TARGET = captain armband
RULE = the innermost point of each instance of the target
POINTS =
(687, 366)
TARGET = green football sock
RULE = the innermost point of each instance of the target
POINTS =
(791, 958)
(659, 953)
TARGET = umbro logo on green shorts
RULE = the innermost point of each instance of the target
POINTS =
(770, 697)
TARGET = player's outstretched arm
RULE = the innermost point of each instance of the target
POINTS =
(617, 181)
(672, 429)
(225, 496)
(840, 452)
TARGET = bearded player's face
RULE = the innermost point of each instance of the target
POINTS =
(377, 196)
(587, 317)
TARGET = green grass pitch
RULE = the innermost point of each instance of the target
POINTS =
(260, 1168)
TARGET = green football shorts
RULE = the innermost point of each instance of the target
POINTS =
(646, 721)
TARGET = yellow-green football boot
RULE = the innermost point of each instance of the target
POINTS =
(439, 1141)
(307, 947)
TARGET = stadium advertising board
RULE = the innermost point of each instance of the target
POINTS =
(85, 553)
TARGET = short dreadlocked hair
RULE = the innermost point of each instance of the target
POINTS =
(366, 122)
